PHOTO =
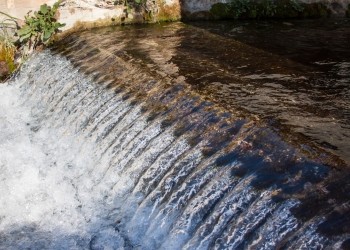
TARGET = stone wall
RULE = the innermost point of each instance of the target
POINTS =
(338, 7)
(99, 12)
(208, 9)
(107, 12)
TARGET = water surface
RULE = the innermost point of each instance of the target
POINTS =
(314, 99)
(123, 138)
(292, 75)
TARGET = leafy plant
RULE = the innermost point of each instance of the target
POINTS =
(129, 2)
(296, 5)
(39, 27)
(136, 6)
(257, 9)
(240, 7)
(268, 8)
(16, 41)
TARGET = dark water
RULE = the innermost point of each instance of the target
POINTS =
(304, 83)
(292, 75)
(169, 137)
(305, 100)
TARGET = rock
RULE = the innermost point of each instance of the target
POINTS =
(4, 70)
(94, 13)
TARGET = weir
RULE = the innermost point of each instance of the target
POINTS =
(102, 149)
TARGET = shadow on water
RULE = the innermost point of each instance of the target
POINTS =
(33, 237)
(295, 74)
(319, 43)
(295, 77)
(280, 92)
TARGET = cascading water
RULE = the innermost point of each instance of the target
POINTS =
(130, 161)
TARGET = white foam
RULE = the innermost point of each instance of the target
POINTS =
(74, 166)
(42, 184)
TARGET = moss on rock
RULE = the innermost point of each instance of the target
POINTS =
(7, 59)
(316, 10)
(250, 9)
(168, 12)
(221, 11)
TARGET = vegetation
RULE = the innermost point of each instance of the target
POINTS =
(7, 47)
(39, 27)
(7, 53)
(130, 2)
(144, 7)
(245, 9)
(348, 11)
(21, 39)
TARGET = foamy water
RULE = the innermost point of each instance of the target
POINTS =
(83, 167)
(41, 186)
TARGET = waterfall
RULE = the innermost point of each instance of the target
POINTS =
(130, 161)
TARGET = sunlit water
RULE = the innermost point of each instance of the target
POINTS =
(103, 150)
(294, 75)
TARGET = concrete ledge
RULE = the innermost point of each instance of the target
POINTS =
(95, 13)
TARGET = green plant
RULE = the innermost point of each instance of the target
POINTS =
(221, 10)
(37, 30)
(7, 48)
(7, 53)
(296, 5)
(240, 7)
(39, 27)
(139, 1)
(8, 23)
(130, 3)
(267, 8)
(144, 7)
